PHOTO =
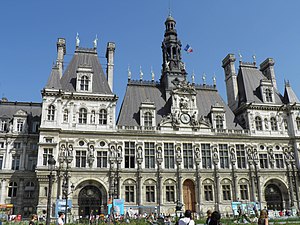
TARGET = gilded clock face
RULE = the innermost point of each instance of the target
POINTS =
(185, 118)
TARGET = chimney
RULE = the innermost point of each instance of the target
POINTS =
(231, 81)
(61, 51)
(267, 68)
(110, 51)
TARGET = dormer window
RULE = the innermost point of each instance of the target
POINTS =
(219, 122)
(82, 116)
(218, 117)
(266, 89)
(258, 123)
(51, 113)
(103, 117)
(20, 124)
(274, 126)
(148, 119)
(3, 125)
(269, 95)
(84, 83)
(298, 123)
(147, 114)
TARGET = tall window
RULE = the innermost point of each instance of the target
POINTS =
(47, 152)
(82, 116)
(279, 161)
(84, 83)
(3, 126)
(169, 155)
(298, 123)
(20, 125)
(129, 154)
(258, 123)
(1, 161)
(219, 122)
(51, 112)
(273, 124)
(208, 192)
(93, 117)
(148, 119)
(241, 156)
(206, 156)
(15, 164)
(80, 158)
(269, 95)
(149, 155)
(263, 161)
(244, 192)
(101, 159)
(1, 144)
(12, 189)
(103, 117)
(129, 193)
(226, 192)
(170, 193)
(187, 156)
(224, 156)
(150, 193)
(66, 115)
(29, 189)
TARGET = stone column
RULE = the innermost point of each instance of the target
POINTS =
(233, 162)
(139, 177)
(3, 193)
(159, 160)
(198, 180)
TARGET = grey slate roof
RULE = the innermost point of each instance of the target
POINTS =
(248, 85)
(85, 57)
(138, 92)
(54, 79)
(289, 95)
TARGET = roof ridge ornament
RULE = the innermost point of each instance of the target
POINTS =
(141, 73)
(193, 77)
(129, 73)
(152, 74)
(204, 78)
(77, 40)
(240, 56)
(214, 80)
(95, 42)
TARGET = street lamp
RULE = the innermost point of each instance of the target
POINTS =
(66, 156)
(51, 165)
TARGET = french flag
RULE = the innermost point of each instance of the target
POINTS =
(188, 48)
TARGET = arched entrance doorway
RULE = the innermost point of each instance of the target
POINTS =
(89, 201)
(189, 199)
(273, 197)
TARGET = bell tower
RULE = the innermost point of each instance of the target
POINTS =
(172, 66)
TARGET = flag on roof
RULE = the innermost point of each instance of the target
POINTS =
(188, 48)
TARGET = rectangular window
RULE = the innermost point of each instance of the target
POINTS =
(129, 193)
(224, 156)
(169, 155)
(129, 154)
(17, 145)
(3, 126)
(206, 156)
(187, 156)
(47, 152)
(20, 125)
(15, 165)
(48, 140)
(208, 192)
(1, 144)
(244, 192)
(226, 192)
(102, 159)
(279, 161)
(170, 193)
(150, 193)
(31, 164)
(263, 161)
(80, 158)
(149, 155)
(1, 162)
(241, 156)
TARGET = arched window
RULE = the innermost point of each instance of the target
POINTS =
(219, 122)
(298, 123)
(84, 83)
(148, 119)
(82, 116)
(51, 112)
(269, 95)
(258, 123)
(273, 124)
(12, 189)
(103, 117)
(66, 115)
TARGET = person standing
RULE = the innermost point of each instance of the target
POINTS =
(263, 218)
(187, 219)
(208, 216)
(60, 220)
(33, 219)
(215, 218)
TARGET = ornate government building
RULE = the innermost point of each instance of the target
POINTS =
(173, 142)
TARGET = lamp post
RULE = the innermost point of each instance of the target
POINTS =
(66, 155)
(51, 164)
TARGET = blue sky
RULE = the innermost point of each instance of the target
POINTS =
(214, 28)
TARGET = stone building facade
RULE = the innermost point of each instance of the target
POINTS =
(174, 142)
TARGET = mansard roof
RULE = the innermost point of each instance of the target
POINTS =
(248, 79)
(289, 95)
(54, 79)
(141, 91)
(9, 109)
(85, 57)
